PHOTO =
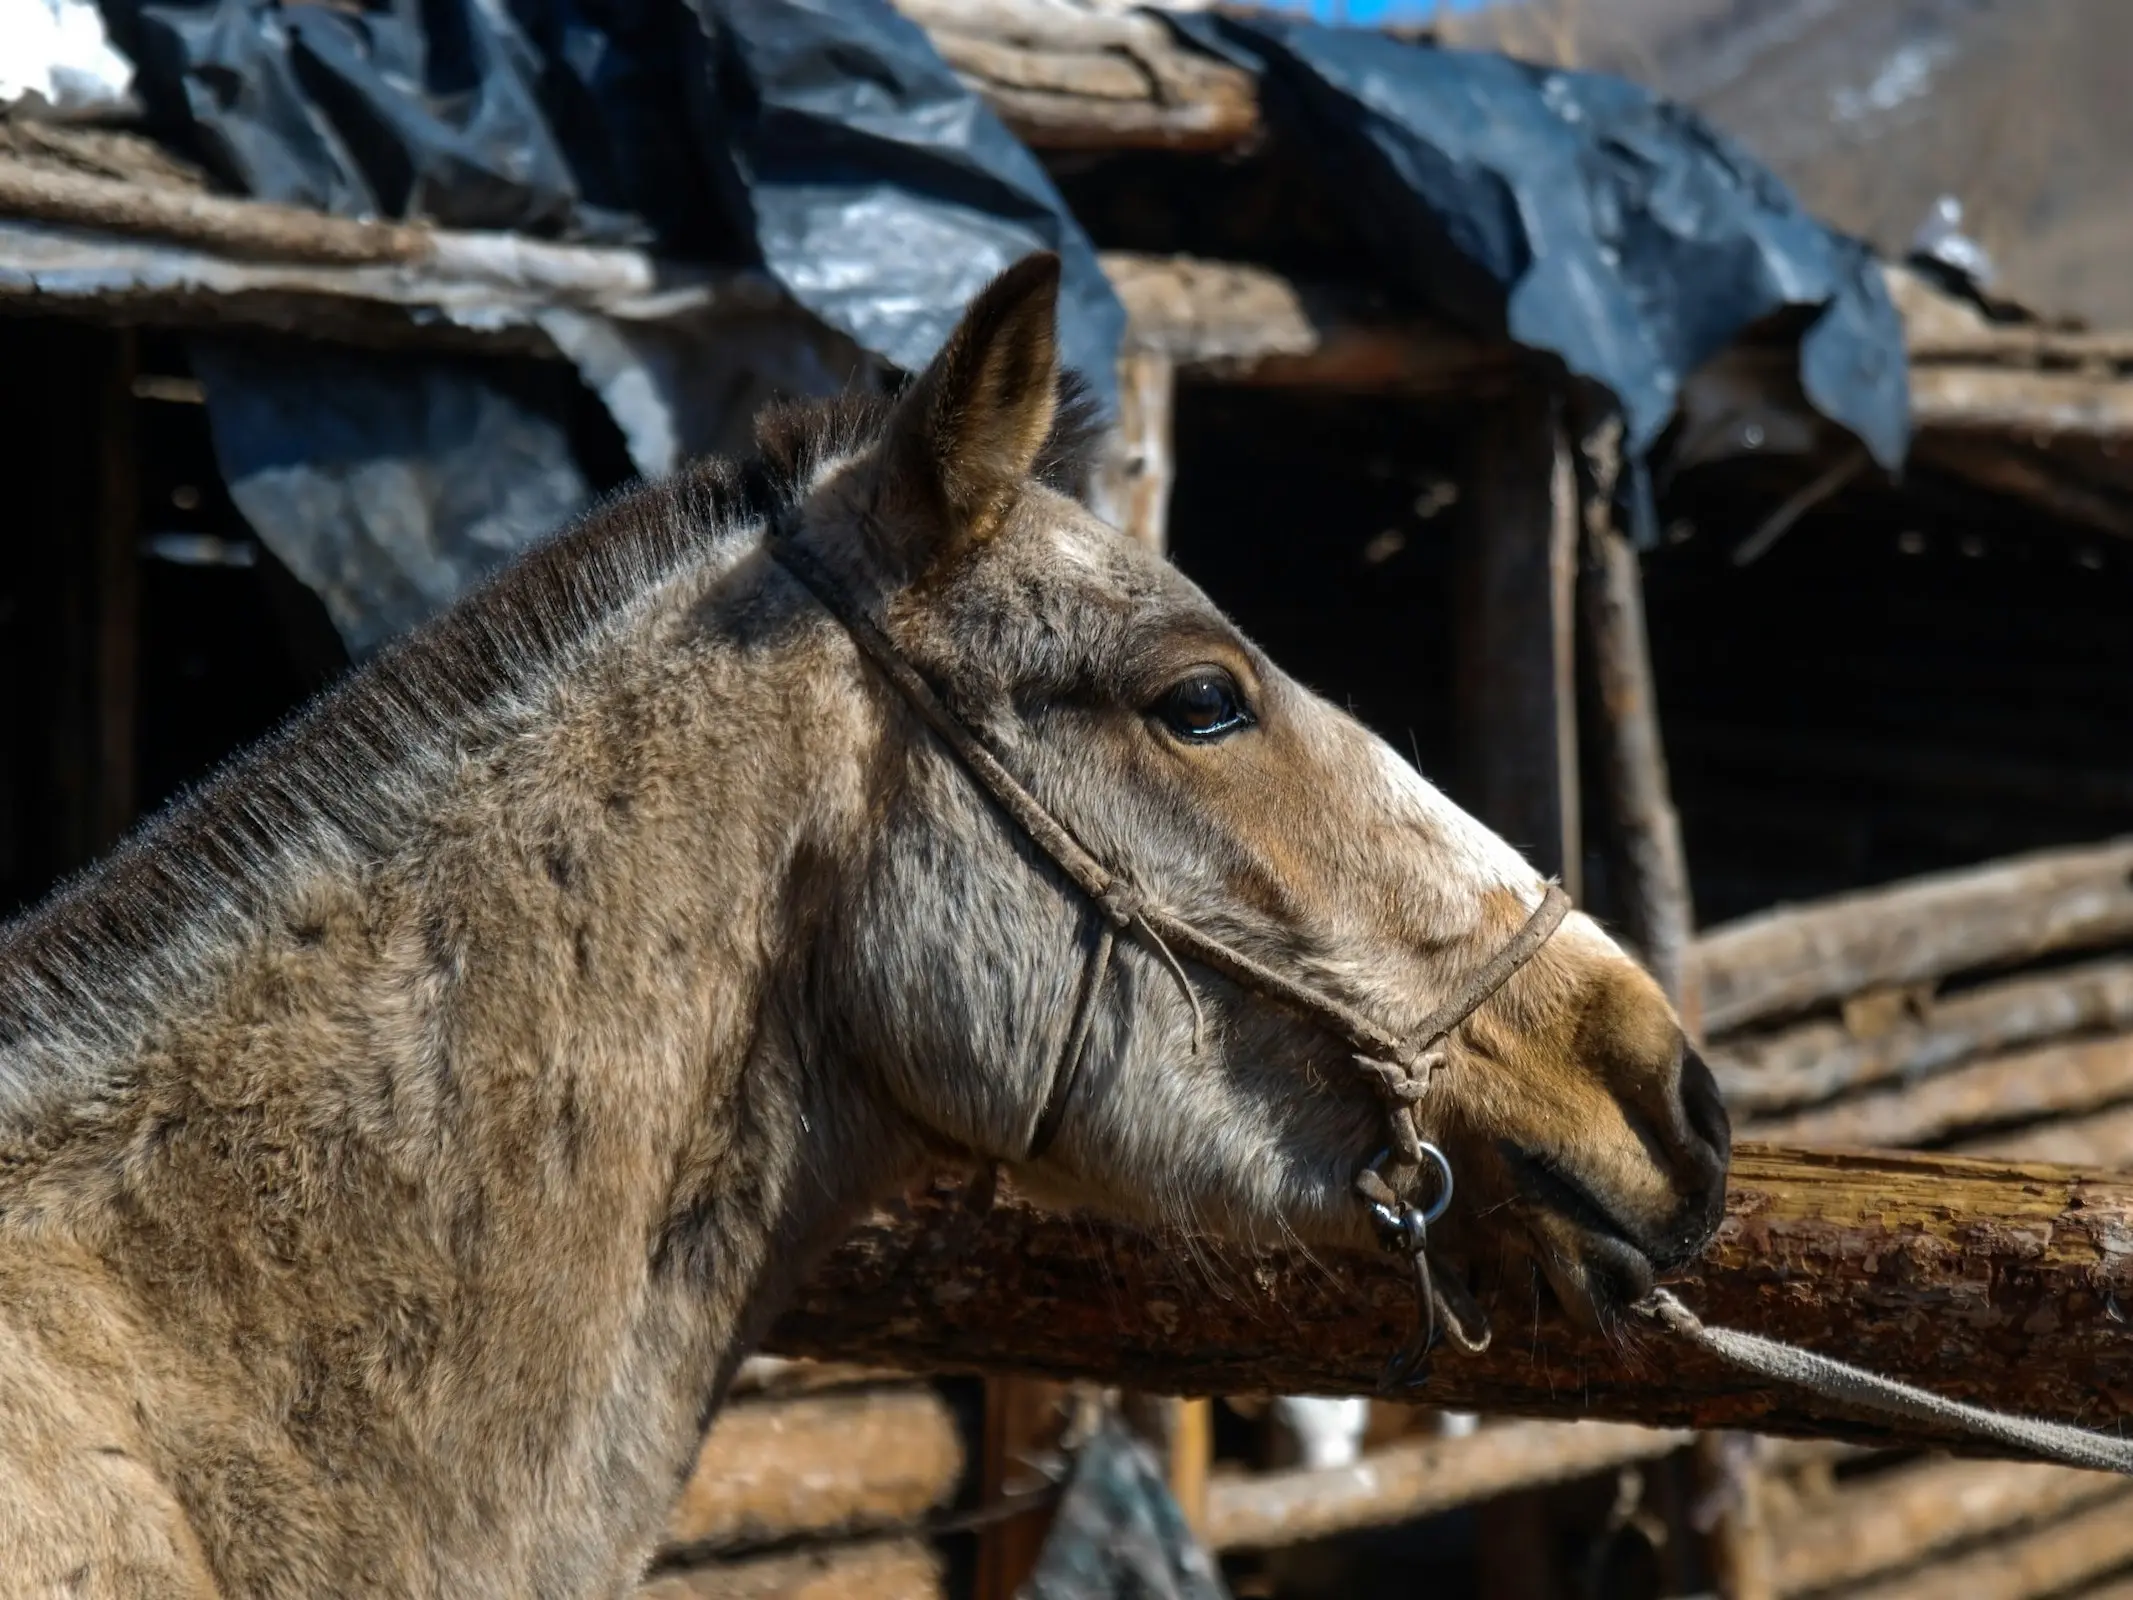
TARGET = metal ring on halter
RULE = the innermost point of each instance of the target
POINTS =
(1443, 1201)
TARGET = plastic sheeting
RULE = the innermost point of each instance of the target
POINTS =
(1579, 216)
(822, 139)
(388, 486)
(1119, 1533)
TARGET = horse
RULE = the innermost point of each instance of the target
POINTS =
(405, 1135)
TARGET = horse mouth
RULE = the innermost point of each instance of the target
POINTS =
(1597, 1263)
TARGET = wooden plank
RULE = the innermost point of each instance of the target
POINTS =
(887, 1569)
(1903, 1516)
(2049, 1561)
(1985, 1281)
(772, 1470)
(1416, 1478)
(1920, 1036)
(2051, 1080)
(1978, 399)
(1516, 684)
(775, 1375)
(1736, 1540)
(1925, 928)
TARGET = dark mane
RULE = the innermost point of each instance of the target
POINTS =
(83, 966)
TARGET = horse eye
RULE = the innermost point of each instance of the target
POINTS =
(1203, 706)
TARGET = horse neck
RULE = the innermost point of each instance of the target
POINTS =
(526, 1084)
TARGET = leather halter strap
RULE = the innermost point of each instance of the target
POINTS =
(1398, 1070)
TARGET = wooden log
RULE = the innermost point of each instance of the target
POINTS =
(1925, 1035)
(1992, 400)
(887, 1569)
(1064, 77)
(1651, 871)
(775, 1375)
(1901, 1517)
(1730, 1511)
(2049, 1561)
(2051, 1080)
(1515, 679)
(838, 1463)
(1985, 1281)
(2101, 1143)
(1416, 1478)
(1795, 957)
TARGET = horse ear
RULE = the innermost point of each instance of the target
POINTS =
(967, 434)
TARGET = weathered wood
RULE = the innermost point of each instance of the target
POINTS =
(1926, 1035)
(1651, 872)
(1795, 957)
(2049, 1561)
(775, 1375)
(886, 1569)
(1417, 1477)
(2099, 1143)
(244, 228)
(1065, 77)
(1986, 1281)
(1903, 1516)
(1024, 1420)
(1133, 483)
(2044, 404)
(1736, 1543)
(2051, 1080)
(1515, 683)
(838, 1463)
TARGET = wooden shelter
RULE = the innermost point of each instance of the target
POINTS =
(1821, 684)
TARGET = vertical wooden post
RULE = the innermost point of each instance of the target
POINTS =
(1649, 869)
(1181, 1432)
(1024, 1418)
(1516, 674)
(1133, 484)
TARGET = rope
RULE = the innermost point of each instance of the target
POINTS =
(1830, 1379)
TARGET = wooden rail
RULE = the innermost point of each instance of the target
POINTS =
(1992, 1282)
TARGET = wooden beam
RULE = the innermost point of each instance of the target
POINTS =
(1901, 1517)
(1998, 915)
(1650, 875)
(1992, 400)
(773, 1470)
(1920, 1034)
(885, 1569)
(1984, 1281)
(2050, 1560)
(1416, 1478)
(1515, 679)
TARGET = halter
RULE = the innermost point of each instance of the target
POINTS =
(1389, 1187)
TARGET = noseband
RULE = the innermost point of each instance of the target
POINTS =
(1392, 1186)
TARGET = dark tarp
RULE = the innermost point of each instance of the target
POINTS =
(387, 484)
(1119, 1535)
(1577, 215)
(825, 140)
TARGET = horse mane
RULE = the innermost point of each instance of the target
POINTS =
(81, 972)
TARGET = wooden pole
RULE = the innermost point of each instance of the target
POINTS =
(875, 1569)
(1516, 683)
(1024, 1419)
(1650, 869)
(1984, 1281)
(1133, 487)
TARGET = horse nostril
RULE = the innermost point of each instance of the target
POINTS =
(1705, 1110)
